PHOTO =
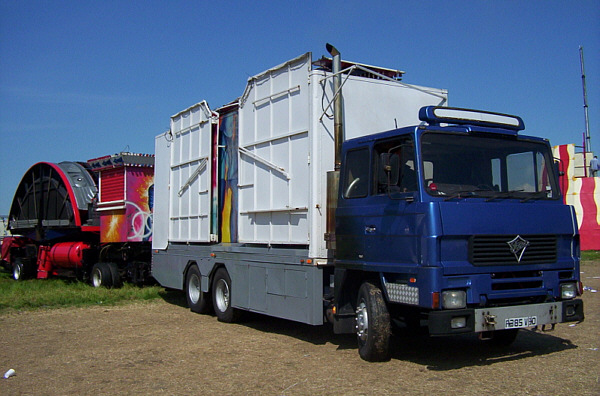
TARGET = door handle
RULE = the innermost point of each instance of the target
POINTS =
(370, 229)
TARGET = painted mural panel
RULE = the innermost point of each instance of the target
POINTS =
(228, 177)
(132, 222)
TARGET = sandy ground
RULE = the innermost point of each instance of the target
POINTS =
(163, 348)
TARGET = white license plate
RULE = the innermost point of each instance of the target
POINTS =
(517, 323)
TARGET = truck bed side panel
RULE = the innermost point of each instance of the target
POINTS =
(270, 281)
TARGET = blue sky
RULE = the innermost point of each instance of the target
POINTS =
(82, 79)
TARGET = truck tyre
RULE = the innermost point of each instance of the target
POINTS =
(221, 295)
(115, 275)
(504, 338)
(18, 270)
(373, 328)
(197, 300)
(101, 275)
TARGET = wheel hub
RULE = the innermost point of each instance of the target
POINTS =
(194, 289)
(362, 321)
(17, 272)
(222, 295)
(96, 278)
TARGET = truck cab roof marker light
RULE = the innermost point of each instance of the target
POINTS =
(436, 115)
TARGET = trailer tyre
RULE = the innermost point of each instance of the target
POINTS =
(18, 270)
(102, 275)
(373, 328)
(221, 295)
(115, 275)
(197, 300)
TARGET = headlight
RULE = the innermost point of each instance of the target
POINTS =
(568, 291)
(454, 299)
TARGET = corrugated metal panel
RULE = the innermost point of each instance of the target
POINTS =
(112, 185)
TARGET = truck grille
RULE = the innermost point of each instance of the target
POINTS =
(495, 250)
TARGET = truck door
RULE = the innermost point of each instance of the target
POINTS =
(390, 217)
(376, 216)
(354, 191)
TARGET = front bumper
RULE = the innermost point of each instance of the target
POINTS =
(500, 318)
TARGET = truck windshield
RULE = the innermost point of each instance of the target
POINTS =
(464, 166)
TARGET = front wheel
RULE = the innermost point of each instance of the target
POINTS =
(373, 328)
(221, 295)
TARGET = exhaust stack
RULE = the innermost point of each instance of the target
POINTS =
(338, 115)
(333, 177)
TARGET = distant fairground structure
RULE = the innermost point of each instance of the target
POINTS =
(581, 191)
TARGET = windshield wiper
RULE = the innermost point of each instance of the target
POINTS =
(462, 194)
(504, 195)
(536, 195)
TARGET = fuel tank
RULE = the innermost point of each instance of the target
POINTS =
(67, 254)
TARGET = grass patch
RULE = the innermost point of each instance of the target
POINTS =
(590, 255)
(56, 293)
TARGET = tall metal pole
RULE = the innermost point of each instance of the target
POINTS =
(588, 143)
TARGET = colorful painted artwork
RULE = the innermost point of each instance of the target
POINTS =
(131, 220)
(228, 177)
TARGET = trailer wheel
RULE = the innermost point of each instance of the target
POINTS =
(115, 275)
(102, 275)
(197, 300)
(221, 294)
(373, 328)
(18, 270)
(504, 338)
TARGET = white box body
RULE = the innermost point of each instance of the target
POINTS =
(286, 148)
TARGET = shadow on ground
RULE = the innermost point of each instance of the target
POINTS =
(451, 353)
(436, 353)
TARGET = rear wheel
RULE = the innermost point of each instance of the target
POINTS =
(197, 300)
(373, 328)
(221, 294)
(102, 275)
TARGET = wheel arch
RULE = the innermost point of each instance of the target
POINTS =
(206, 273)
(347, 283)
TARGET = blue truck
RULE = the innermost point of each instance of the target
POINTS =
(290, 202)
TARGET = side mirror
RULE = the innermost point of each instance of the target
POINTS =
(390, 163)
(557, 166)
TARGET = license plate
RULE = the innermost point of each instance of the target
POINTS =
(516, 323)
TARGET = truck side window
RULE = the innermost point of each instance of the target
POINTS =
(400, 153)
(356, 174)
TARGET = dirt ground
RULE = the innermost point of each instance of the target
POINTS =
(163, 348)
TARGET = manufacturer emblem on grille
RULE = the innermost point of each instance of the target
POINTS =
(517, 247)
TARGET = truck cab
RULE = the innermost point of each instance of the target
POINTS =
(456, 224)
